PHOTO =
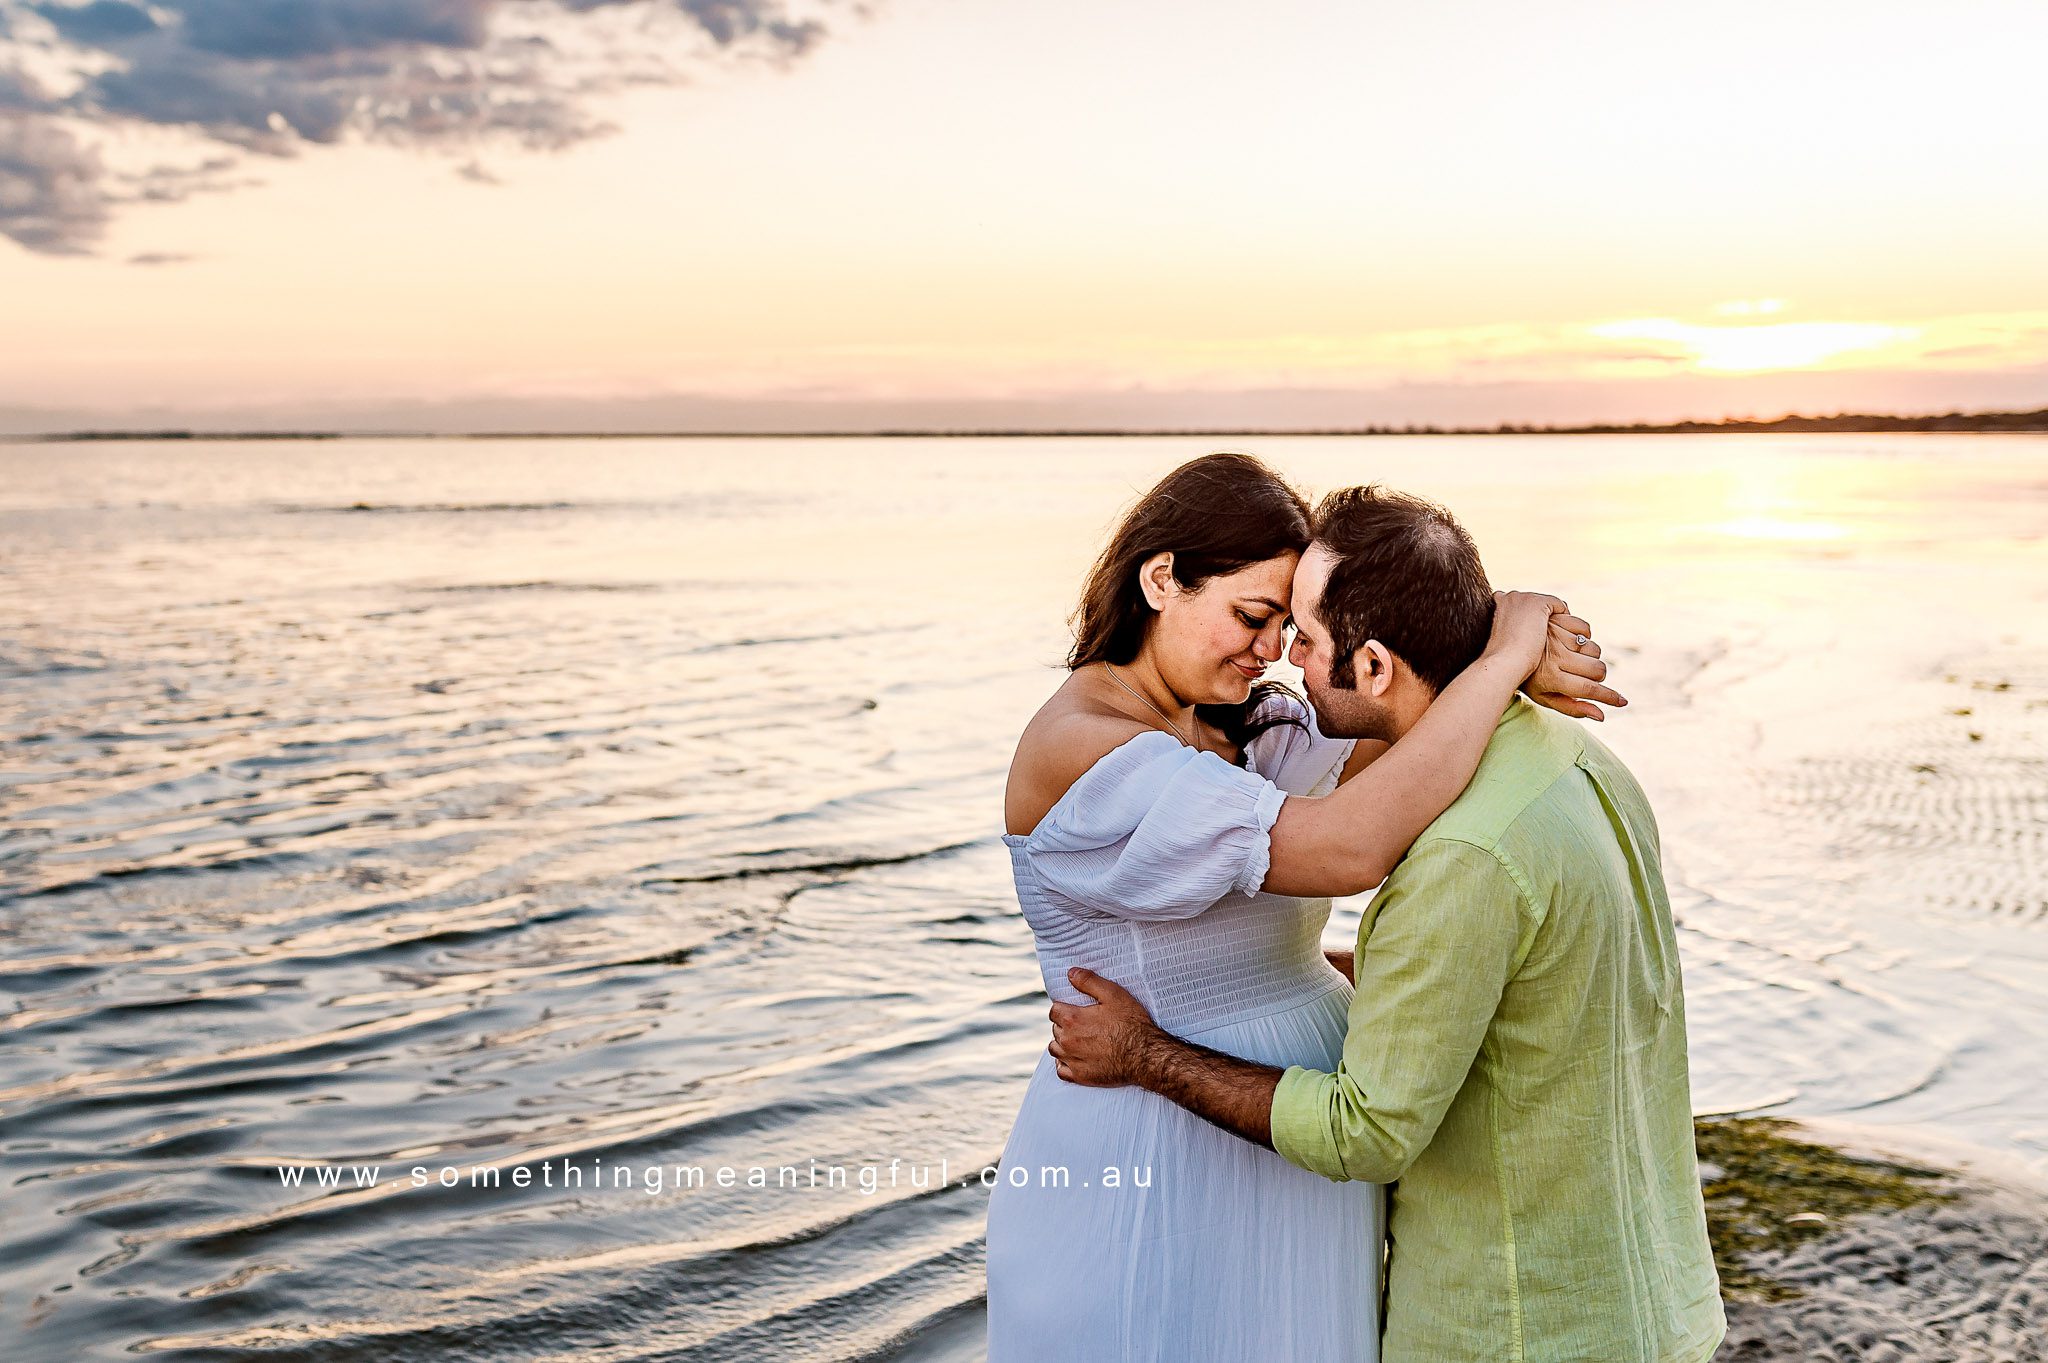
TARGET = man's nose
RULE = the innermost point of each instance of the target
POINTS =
(1294, 651)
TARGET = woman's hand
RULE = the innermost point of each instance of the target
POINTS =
(1565, 674)
(1521, 626)
(1570, 677)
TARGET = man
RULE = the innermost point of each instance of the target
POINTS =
(1516, 1055)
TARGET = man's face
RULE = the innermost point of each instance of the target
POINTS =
(1341, 712)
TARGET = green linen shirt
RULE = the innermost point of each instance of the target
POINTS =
(1516, 1059)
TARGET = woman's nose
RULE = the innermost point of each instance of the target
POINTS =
(1269, 645)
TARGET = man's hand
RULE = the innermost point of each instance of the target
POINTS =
(1103, 1044)
(1113, 1042)
(1345, 963)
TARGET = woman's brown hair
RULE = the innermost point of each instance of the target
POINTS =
(1216, 515)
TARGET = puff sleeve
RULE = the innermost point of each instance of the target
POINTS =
(1156, 830)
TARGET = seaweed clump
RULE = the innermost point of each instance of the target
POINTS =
(1767, 1193)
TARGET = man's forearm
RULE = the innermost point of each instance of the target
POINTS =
(1235, 1094)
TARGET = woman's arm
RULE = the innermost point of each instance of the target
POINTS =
(1363, 754)
(1346, 842)
(1568, 680)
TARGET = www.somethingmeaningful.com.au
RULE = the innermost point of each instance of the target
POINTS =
(654, 1179)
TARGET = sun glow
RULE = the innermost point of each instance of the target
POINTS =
(1749, 307)
(1776, 528)
(1753, 349)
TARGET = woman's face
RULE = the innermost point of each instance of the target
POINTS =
(1212, 643)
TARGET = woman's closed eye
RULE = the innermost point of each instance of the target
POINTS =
(1250, 623)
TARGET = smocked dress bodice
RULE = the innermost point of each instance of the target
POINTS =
(1147, 871)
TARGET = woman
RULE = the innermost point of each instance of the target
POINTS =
(1149, 801)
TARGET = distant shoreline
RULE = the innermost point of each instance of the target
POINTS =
(1845, 423)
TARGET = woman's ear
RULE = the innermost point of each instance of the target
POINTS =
(1374, 669)
(1155, 579)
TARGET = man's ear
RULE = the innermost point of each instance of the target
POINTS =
(1374, 668)
(1156, 580)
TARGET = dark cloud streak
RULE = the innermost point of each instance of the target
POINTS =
(101, 22)
(286, 29)
(274, 77)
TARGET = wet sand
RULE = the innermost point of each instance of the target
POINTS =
(1837, 1242)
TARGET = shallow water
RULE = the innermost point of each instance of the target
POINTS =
(619, 804)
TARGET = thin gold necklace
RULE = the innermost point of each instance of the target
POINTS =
(1148, 704)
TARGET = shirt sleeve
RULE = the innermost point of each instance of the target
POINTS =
(1157, 830)
(1447, 934)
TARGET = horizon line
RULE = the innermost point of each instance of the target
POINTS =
(1842, 422)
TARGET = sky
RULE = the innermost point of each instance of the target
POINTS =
(813, 214)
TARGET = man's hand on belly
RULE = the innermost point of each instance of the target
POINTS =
(1114, 1042)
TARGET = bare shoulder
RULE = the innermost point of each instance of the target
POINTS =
(1070, 733)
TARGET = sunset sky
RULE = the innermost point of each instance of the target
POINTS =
(720, 214)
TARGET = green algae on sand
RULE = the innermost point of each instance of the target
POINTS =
(1769, 1192)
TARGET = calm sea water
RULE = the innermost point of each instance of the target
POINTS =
(388, 805)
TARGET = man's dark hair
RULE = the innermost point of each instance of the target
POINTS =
(1405, 574)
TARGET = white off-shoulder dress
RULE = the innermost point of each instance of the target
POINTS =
(1206, 1247)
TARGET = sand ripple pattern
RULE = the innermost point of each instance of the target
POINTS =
(1952, 808)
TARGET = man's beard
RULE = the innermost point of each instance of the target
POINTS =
(1342, 713)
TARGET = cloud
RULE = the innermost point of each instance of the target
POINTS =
(288, 29)
(172, 184)
(50, 187)
(277, 77)
(20, 93)
(102, 21)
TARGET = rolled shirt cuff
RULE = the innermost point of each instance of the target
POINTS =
(1301, 1122)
